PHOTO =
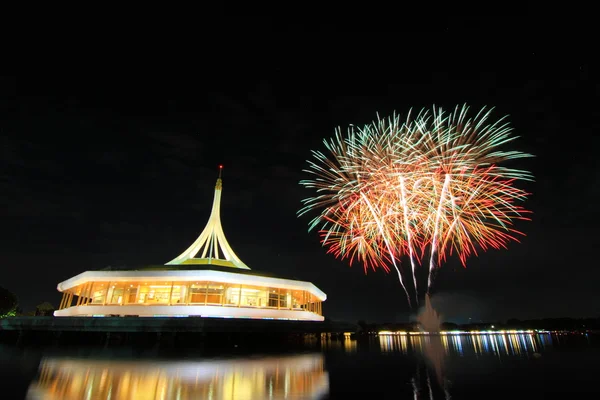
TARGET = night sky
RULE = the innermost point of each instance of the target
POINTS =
(114, 163)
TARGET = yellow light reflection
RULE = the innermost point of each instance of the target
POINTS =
(393, 343)
(499, 344)
(349, 344)
(301, 376)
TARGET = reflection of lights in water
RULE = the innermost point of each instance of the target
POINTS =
(434, 349)
(393, 343)
(416, 343)
(545, 340)
(457, 340)
(404, 344)
(349, 345)
(497, 344)
(507, 344)
(429, 392)
(344, 343)
(301, 376)
(533, 344)
(446, 344)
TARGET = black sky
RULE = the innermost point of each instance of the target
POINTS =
(114, 162)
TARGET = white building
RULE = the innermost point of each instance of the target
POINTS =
(215, 284)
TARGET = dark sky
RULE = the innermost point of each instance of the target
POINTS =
(114, 162)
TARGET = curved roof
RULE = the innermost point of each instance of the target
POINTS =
(212, 275)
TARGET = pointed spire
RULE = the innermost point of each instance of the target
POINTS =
(212, 242)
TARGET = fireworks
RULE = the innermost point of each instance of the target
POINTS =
(404, 188)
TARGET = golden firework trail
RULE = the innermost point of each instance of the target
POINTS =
(398, 187)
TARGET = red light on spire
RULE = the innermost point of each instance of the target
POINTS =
(220, 166)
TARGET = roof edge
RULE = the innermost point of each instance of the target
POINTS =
(190, 275)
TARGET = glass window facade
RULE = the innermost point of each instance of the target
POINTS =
(99, 293)
(191, 293)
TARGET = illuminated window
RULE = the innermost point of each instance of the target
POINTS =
(297, 297)
(198, 293)
(98, 293)
(115, 294)
(154, 293)
(178, 293)
(214, 293)
(273, 297)
(254, 296)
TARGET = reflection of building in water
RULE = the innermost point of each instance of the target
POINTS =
(208, 279)
(301, 376)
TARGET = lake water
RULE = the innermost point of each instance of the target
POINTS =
(378, 367)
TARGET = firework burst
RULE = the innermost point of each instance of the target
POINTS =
(405, 188)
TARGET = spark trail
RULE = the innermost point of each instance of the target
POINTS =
(379, 196)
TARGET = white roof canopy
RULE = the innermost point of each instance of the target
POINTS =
(189, 276)
(211, 244)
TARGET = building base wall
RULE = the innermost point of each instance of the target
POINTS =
(185, 311)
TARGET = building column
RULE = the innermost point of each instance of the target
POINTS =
(106, 293)
(278, 298)
(88, 293)
(62, 301)
(187, 293)
(137, 294)
(171, 293)
(79, 296)
(206, 294)
(68, 301)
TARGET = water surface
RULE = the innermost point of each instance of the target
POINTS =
(379, 367)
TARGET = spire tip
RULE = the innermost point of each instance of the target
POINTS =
(219, 185)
